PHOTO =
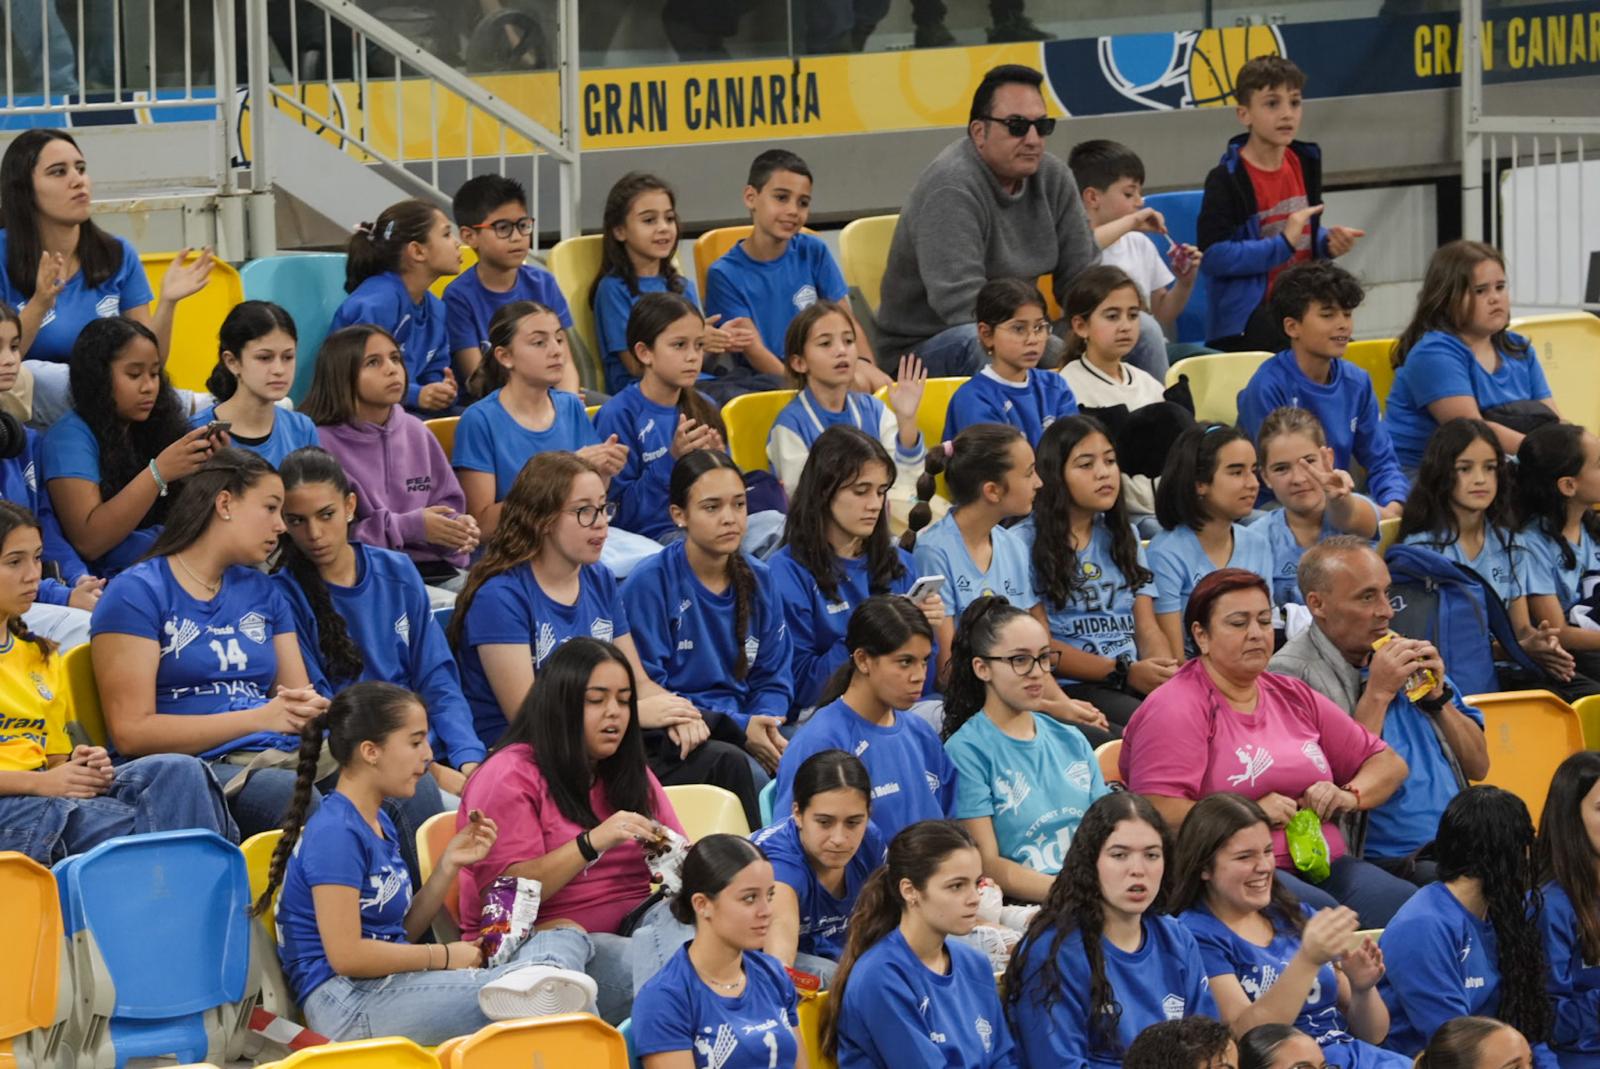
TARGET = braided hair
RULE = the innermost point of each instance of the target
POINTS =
(741, 580)
(979, 455)
(342, 660)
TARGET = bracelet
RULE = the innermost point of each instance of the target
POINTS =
(586, 848)
(155, 473)
(447, 957)
(1353, 789)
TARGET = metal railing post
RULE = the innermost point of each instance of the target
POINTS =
(1471, 112)
(567, 36)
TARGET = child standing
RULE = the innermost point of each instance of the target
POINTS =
(1261, 204)
(392, 262)
(1315, 303)
(254, 371)
(492, 212)
(1014, 328)
(780, 270)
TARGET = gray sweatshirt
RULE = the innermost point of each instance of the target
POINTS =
(960, 228)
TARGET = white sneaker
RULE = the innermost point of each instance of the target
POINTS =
(537, 991)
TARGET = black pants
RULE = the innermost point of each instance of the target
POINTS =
(1417, 870)
(1117, 705)
(721, 764)
(1581, 685)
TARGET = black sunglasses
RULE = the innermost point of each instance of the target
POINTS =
(1017, 126)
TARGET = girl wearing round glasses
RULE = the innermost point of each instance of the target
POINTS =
(1014, 329)
(540, 583)
(1023, 780)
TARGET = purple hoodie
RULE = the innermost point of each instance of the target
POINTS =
(397, 470)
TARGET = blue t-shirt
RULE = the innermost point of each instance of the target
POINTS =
(1257, 968)
(1179, 562)
(640, 488)
(339, 848)
(824, 919)
(71, 451)
(1098, 617)
(469, 305)
(612, 306)
(1410, 818)
(1345, 405)
(1442, 962)
(126, 290)
(897, 1012)
(216, 656)
(290, 431)
(19, 484)
(1440, 365)
(1549, 574)
(1287, 551)
(1164, 980)
(684, 635)
(489, 439)
(511, 609)
(1030, 406)
(912, 777)
(676, 1010)
(1573, 984)
(1034, 791)
(817, 623)
(941, 550)
(1503, 561)
(418, 327)
(772, 292)
(388, 616)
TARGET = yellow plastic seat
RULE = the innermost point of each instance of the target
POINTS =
(593, 410)
(1109, 754)
(562, 1040)
(935, 406)
(390, 1052)
(864, 255)
(33, 997)
(198, 319)
(1388, 532)
(810, 1012)
(257, 851)
(434, 835)
(1215, 379)
(1373, 357)
(705, 810)
(86, 695)
(269, 988)
(576, 262)
(749, 419)
(468, 259)
(1588, 710)
(713, 245)
(1568, 344)
(444, 429)
(1529, 732)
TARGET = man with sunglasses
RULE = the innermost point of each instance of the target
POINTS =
(992, 205)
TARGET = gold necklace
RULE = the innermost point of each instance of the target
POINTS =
(725, 986)
(211, 587)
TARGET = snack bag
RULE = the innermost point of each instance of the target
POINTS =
(664, 856)
(510, 908)
(1308, 847)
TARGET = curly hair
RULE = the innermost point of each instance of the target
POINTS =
(1429, 507)
(1076, 903)
(1056, 573)
(342, 660)
(837, 460)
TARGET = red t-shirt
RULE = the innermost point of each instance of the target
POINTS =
(1278, 194)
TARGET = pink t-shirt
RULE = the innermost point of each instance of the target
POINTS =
(1186, 741)
(512, 792)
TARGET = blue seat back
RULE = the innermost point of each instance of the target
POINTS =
(310, 285)
(1182, 212)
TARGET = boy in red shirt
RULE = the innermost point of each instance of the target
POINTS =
(1261, 206)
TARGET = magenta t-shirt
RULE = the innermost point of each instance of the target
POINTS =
(1295, 737)
(511, 791)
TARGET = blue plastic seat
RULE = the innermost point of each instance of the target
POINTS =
(162, 942)
(310, 285)
(1182, 212)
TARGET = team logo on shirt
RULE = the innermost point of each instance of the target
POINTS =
(985, 1032)
(402, 627)
(1172, 1006)
(38, 685)
(1255, 759)
(1090, 570)
(602, 628)
(106, 307)
(716, 1051)
(685, 645)
(254, 627)
(837, 607)
(1078, 775)
(1314, 752)
(49, 317)
(543, 643)
(1260, 981)
(1011, 792)
(752, 646)
(805, 297)
(30, 477)
(178, 635)
(385, 885)
(933, 781)
(861, 747)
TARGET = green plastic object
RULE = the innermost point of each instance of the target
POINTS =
(1308, 847)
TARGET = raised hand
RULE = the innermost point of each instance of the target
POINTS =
(905, 396)
(186, 277)
(1341, 239)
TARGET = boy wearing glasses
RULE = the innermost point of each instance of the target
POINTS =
(492, 212)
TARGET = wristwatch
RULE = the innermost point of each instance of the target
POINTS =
(1117, 678)
(1432, 706)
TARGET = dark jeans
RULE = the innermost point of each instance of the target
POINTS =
(1374, 894)
(1420, 871)
(1118, 705)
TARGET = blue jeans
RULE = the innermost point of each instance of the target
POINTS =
(624, 551)
(1373, 893)
(432, 1006)
(1149, 353)
(163, 792)
(33, 21)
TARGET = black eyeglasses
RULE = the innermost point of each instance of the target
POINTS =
(504, 228)
(1024, 663)
(588, 515)
(1017, 126)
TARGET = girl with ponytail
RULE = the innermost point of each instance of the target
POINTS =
(362, 613)
(906, 993)
(706, 620)
(58, 799)
(1023, 781)
(1101, 960)
(1476, 1043)
(349, 927)
(255, 369)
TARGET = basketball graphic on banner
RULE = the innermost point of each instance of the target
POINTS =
(1216, 56)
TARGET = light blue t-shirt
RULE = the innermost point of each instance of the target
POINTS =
(418, 327)
(71, 451)
(512, 609)
(1179, 562)
(126, 290)
(772, 292)
(676, 1010)
(824, 919)
(1287, 551)
(1410, 818)
(1030, 406)
(469, 305)
(1441, 365)
(612, 306)
(489, 439)
(1098, 618)
(290, 431)
(940, 550)
(1034, 791)
(1549, 574)
(1503, 561)
(339, 848)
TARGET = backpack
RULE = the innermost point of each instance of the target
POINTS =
(1456, 609)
